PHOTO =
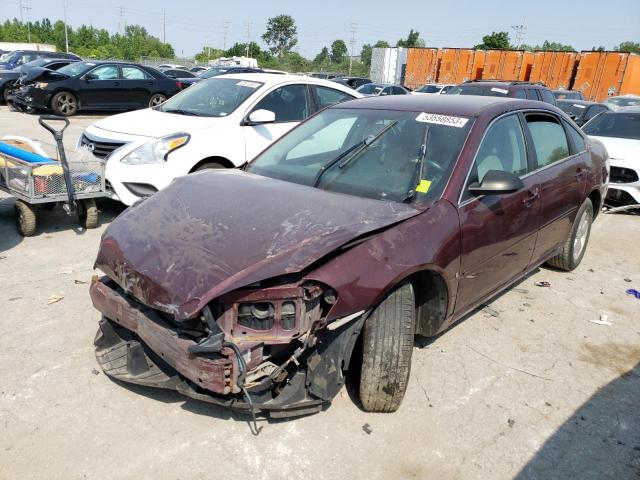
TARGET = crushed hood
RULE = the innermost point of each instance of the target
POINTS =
(211, 232)
(152, 123)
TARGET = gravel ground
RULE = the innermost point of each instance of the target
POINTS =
(528, 387)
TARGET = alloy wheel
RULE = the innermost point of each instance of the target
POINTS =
(582, 234)
(66, 104)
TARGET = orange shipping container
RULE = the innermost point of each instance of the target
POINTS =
(603, 74)
(457, 65)
(526, 66)
(503, 65)
(554, 69)
(422, 66)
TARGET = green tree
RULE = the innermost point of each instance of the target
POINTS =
(338, 51)
(495, 41)
(365, 54)
(281, 35)
(629, 47)
(413, 40)
(598, 49)
(322, 57)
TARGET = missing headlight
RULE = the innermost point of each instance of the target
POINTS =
(257, 316)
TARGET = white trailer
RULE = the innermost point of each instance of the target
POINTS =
(234, 62)
(41, 47)
(388, 64)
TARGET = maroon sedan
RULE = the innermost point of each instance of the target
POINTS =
(373, 221)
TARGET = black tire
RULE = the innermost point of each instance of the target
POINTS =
(157, 99)
(209, 166)
(387, 345)
(25, 218)
(5, 92)
(568, 258)
(88, 214)
(65, 104)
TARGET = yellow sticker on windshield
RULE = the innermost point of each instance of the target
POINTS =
(423, 186)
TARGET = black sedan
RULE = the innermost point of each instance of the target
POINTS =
(99, 85)
(581, 111)
(10, 78)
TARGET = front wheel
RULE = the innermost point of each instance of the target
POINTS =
(65, 104)
(387, 345)
(25, 218)
(157, 99)
(573, 249)
(88, 214)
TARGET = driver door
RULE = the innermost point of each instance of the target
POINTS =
(290, 103)
(100, 87)
(498, 232)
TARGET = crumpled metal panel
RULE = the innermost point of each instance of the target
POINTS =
(214, 231)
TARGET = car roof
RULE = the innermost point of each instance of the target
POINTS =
(502, 83)
(463, 105)
(272, 79)
(631, 109)
(577, 102)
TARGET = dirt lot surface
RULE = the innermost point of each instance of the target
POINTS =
(528, 387)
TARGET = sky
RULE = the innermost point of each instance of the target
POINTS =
(192, 24)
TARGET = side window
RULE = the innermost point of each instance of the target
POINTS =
(576, 139)
(106, 72)
(532, 94)
(133, 73)
(328, 96)
(548, 97)
(521, 94)
(289, 103)
(549, 139)
(502, 148)
(386, 91)
(446, 89)
(398, 91)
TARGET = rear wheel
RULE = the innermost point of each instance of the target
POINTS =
(25, 218)
(88, 214)
(156, 99)
(65, 104)
(573, 250)
(387, 345)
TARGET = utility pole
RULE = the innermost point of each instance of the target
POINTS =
(122, 23)
(225, 32)
(164, 26)
(248, 39)
(66, 33)
(21, 17)
(354, 31)
(520, 32)
(27, 8)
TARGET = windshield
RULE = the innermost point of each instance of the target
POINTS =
(217, 97)
(429, 89)
(485, 91)
(76, 68)
(11, 57)
(370, 88)
(574, 109)
(378, 154)
(615, 124)
(213, 72)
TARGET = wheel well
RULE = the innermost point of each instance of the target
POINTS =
(64, 91)
(595, 198)
(221, 160)
(432, 301)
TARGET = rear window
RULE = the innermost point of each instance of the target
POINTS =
(571, 108)
(615, 124)
(485, 91)
(428, 89)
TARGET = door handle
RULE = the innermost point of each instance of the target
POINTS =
(117, 84)
(531, 198)
(579, 173)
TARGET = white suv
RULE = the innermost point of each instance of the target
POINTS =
(221, 122)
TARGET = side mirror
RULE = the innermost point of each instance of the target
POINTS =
(259, 117)
(496, 182)
(90, 76)
(384, 93)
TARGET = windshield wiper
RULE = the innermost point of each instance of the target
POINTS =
(417, 173)
(181, 112)
(356, 149)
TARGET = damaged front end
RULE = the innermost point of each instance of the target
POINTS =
(267, 347)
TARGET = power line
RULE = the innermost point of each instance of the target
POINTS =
(248, 39)
(27, 8)
(164, 26)
(224, 34)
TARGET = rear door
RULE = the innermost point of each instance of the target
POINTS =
(290, 103)
(100, 87)
(498, 232)
(561, 168)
